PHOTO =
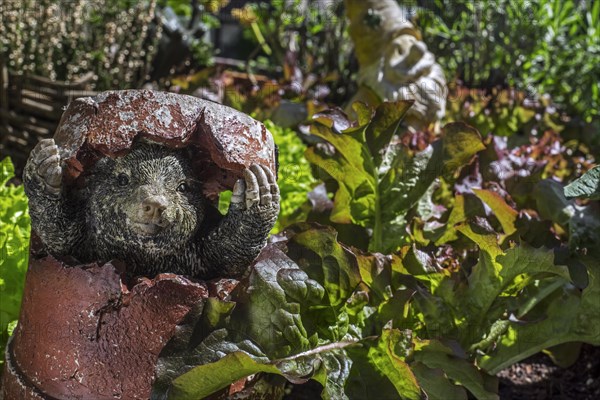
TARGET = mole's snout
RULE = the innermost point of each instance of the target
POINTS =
(152, 208)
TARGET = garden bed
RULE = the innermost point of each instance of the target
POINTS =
(538, 377)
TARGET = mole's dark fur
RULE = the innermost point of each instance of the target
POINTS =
(147, 210)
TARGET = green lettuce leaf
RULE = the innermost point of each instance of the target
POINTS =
(379, 371)
(435, 355)
(507, 216)
(207, 379)
(436, 384)
(569, 315)
(379, 180)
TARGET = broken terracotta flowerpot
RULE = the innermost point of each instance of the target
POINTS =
(82, 333)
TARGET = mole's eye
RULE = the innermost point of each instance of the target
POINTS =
(183, 187)
(123, 180)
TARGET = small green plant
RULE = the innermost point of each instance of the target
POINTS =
(14, 250)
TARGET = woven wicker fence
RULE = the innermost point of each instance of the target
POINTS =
(30, 109)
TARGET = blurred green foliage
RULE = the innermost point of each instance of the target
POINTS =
(540, 47)
(192, 16)
(117, 41)
(308, 38)
(14, 250)
(294, 177)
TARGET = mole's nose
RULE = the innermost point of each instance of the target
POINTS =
(153, 206)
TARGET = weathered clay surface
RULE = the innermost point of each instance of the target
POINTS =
(83, 335)
(107, 125)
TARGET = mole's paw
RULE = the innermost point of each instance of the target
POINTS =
(44, 166)
(257, 193)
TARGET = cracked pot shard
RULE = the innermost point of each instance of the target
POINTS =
(224, 140)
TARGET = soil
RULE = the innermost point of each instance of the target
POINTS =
(537, 378)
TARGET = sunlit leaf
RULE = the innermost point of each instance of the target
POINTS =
(379, 180)
(506, 215)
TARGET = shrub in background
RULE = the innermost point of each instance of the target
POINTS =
(64, 39)
(549, 46)
(308, 38)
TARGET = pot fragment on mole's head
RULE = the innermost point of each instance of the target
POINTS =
(225, 141)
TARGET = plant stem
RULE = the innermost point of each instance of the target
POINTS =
(378, 228)
(261, 39)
